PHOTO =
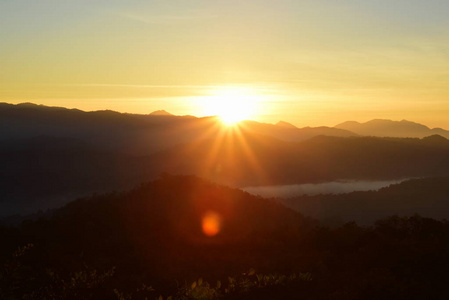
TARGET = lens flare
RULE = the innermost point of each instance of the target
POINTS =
(211, 223)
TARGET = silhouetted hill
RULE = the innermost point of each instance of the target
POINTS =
(160, 113)
(435, 140)
(285, 124)
(111, 131)
(155, 230)
(119, 244)
(128, 133)
(389, 128)
(427, 197)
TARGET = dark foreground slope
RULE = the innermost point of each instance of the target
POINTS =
(153, 234)
(107, 246)
(427, 197)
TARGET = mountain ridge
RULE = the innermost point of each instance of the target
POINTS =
(285, 124)
(160, 112)
(135, 134)
(390, 128)
(52, 155)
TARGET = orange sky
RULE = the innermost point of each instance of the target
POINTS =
(309, 63)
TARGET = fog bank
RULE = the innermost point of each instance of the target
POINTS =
(333, 187)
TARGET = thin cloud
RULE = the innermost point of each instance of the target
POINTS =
(174, 86)
(151, 86)
(169, 19)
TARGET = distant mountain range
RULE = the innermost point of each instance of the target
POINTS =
(131, 133)
(53, 155)
(143, 134)
(288, 132)
(389, 128)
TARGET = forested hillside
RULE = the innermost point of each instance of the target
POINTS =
(120, 244)
(428, 197)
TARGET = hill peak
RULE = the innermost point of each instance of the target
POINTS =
(160, 113)
(285, 124)
(435, 138)
(347, 123)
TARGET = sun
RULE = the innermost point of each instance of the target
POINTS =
(233, 108)
(231, 105)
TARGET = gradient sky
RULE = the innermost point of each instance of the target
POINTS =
(308, 62)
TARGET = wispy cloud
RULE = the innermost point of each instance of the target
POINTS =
(258, 87)
(150, 86)
(191, 15)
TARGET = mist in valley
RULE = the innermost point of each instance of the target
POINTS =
(333, 187)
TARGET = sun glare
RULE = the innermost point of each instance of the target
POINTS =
(211, 224)
(231, 105)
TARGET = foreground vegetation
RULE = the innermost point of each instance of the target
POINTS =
(148, 244)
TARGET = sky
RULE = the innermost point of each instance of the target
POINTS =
(310, 63)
